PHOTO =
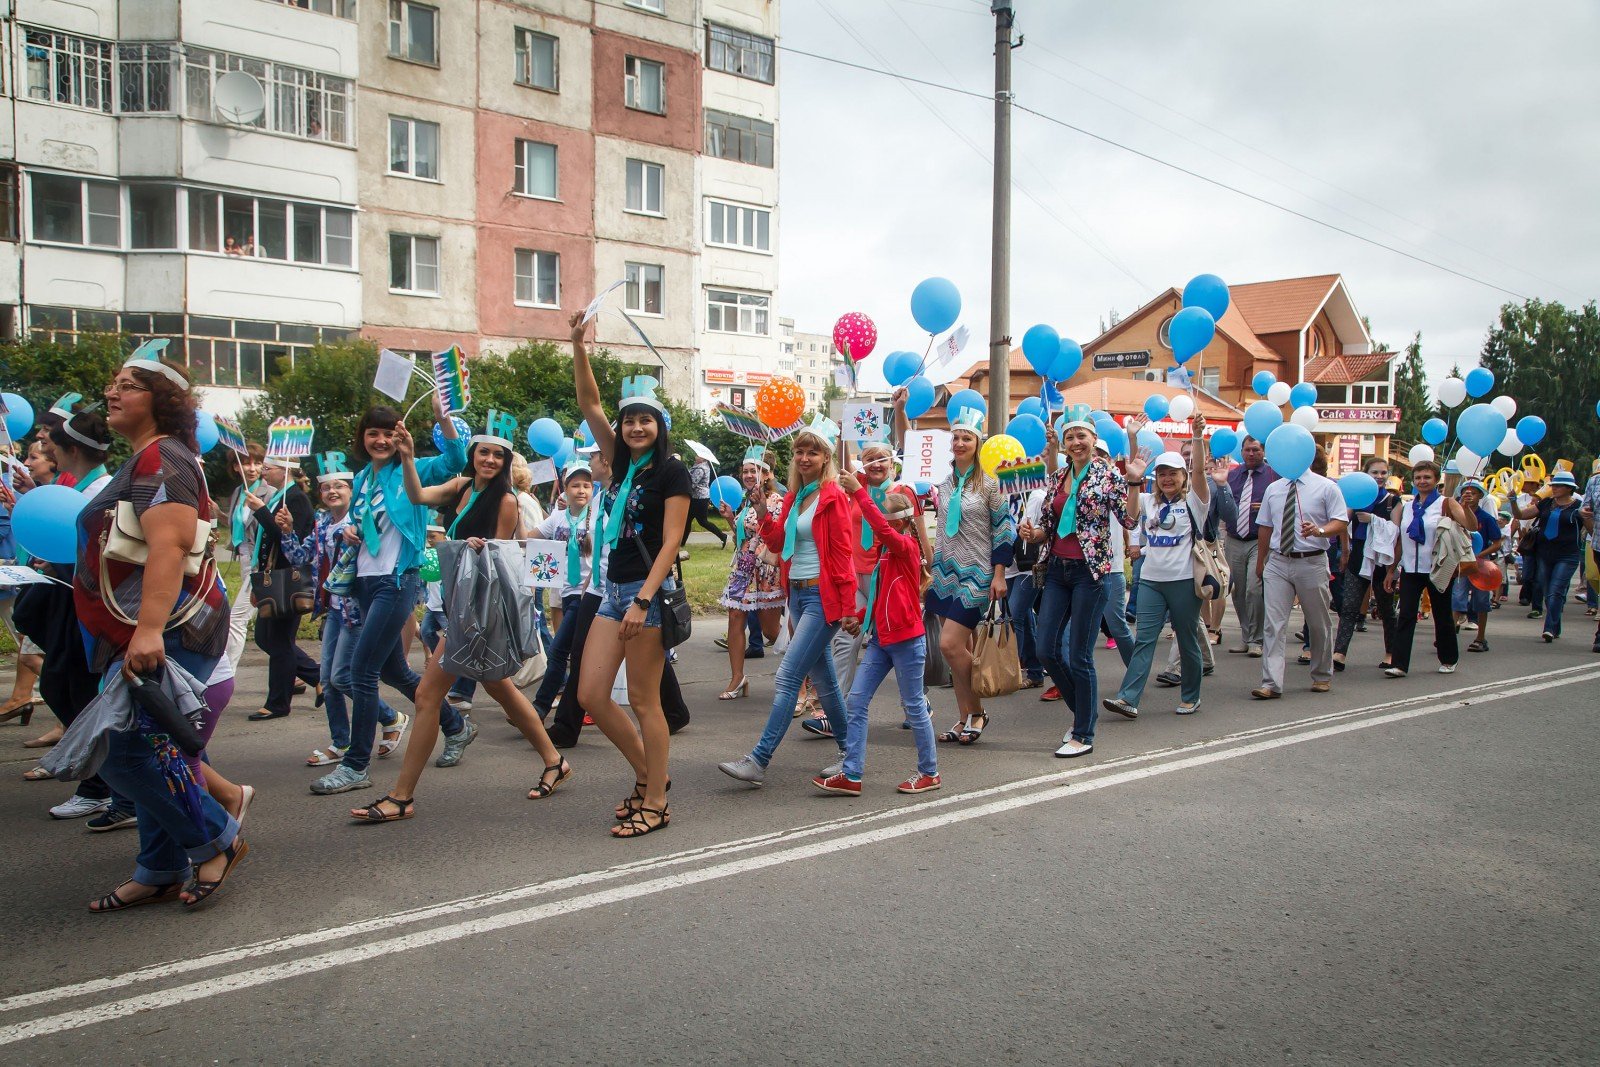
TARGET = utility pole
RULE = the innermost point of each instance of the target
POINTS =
(1000, 263)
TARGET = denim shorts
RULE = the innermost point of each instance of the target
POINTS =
(619, 598)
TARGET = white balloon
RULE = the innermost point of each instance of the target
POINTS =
(1452, 391)
(1181, 408)
(1505, 406)
(1419, 453)
(1512, 444)
(1306, 417)
(1469, 464)
(1279, 393)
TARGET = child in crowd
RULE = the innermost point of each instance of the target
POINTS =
(574, 524)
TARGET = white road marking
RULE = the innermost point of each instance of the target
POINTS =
(1202, 755)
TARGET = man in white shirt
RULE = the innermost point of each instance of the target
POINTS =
(1298, 518)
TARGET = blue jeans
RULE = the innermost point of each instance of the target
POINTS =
(619, 598)
(1133, 591)
(1115, 615)
(170, 842)
(808, 654)
(906, 659)
(1069, 620)
(432, 625)
(1555, 575)
(558, 653)
(338, 645)
(1020, 601)
(1157, 601)
(385, 601)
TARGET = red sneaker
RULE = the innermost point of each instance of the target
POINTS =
(1111, 642)
(837, 784)
(1053, 693)
(919, 783)
(588, 720)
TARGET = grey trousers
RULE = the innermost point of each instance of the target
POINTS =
(1286, 579)
(1245, 588)
(1175, 654)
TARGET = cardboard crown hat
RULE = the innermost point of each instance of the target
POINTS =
(641, 389)
(970, 419)
(825, 428)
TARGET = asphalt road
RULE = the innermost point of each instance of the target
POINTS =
(1396, 872)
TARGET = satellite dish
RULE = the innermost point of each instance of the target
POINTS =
(239, 98)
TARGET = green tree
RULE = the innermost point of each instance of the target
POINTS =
(41, 371)
(1547, 357)
(1411, 391)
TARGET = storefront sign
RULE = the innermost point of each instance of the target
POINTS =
(1121, 360)
(1358, 414)
(1349, 454)
(719, 377)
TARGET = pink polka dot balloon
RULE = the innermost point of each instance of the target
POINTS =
(855, 335)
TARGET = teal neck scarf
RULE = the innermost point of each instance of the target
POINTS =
(738, 525)
(1067, 525)
(272, 505)
(241, 511)
(89, 479)
(574, 556)
(952, 510)
(880, 497)
(472, 498)
(791, 525)
(619, 504)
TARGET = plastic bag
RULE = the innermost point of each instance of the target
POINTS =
(491, 627)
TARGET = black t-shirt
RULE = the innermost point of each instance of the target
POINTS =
(645, 515)
(1565, 542)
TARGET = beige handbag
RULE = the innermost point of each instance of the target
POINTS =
(996, 669)
(123, 542)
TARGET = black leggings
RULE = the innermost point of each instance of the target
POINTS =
(1444, 623)
(700, 511)
(285, 661)
(567, 722)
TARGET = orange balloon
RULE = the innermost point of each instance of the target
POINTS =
(780, 403)
(1486, 576)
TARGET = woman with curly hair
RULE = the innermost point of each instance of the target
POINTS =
(753, 585)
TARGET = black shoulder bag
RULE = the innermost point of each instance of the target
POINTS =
(676, 618)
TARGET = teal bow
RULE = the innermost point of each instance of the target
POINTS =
(952, 511)
(791, 525)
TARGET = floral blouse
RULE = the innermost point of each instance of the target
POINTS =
(1102, 497)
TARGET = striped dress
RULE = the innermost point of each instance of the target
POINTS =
(963, 565)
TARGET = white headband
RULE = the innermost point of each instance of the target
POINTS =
(336, 476)
(157, 367)
(99, 446)
(282, 461)
(489, 439)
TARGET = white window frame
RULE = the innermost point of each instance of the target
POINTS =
(655, 7)
(1211, 379)
(537, 260)
(645, 169)
(411, 125)
(522, 59)
(521, 171)
(737, 218)
(638, 282)
(412, 286)
(87, 64)
(292, 208)
(86, 216)
(153, 70)
(1370, 394)
(399, 29)
(634, 69)
(754, 307)
(339, 9)
(742, 54)
(296, 98)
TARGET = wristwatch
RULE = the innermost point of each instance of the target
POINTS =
(641, 603)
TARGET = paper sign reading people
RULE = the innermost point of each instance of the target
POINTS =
(928, 457)
(546, 564)
(864, 422)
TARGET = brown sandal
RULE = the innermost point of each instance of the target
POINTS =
(637, 825)
(112, 902)
(562, 771)
(201, 891)
(371, 813)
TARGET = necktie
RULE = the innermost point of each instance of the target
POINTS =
(574, 557)
(371, 500)
(738, 527)
(472, 498)
(880, 497)
(1246, 521)
(1291, 520)
(791, 525)
(619, 503)
(1067, 524)
(952, 511)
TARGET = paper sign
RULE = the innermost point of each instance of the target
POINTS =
(743, 423)
(229, 433)
(594, 305)
(546, 564)
(15, 575)
(450, 379)
(928, 457)
(841, 378)
(394, 374)
(863, 422)
(1021, 476)
(543, 471)
(289, 438)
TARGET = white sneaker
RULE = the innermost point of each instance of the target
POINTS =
(1447, 668)
(1072, 749)
(459, 703)
(76, 807)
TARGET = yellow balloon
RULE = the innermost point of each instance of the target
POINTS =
(1001, 448)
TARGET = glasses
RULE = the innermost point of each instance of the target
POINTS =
(123, 388)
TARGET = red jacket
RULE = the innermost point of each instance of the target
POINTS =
(832, 530)
(897, 608)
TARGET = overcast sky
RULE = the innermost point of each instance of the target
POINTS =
(1464, 132)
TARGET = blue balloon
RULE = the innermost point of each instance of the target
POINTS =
(727, 490)
(966, 398)
(1302, 396)
(936, 304)
(1360, 490)
(1223, 442)
(922, 488)
(1481, 428)
(919, 397)
(205, 432)
(1434, 431)
(1031, 405)
(1290, 450)
(463, 431)
(583, 435)
(1479, 381)
(1041, 345)
(1149, 441)
(1207, 291)
(1096, 415)
(544, 436)
(45, 522)
(1263, 381)
(1029, 432)
(19, 417)
(1190, 331)
(1156, 407)
(1477, 538)
(1068, 359)
(1261, 418)
(1531, 429)
(566, 453)
(1115, 437)
(900, 367)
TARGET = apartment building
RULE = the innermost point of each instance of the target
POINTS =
(815, 360)
(463, 172)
